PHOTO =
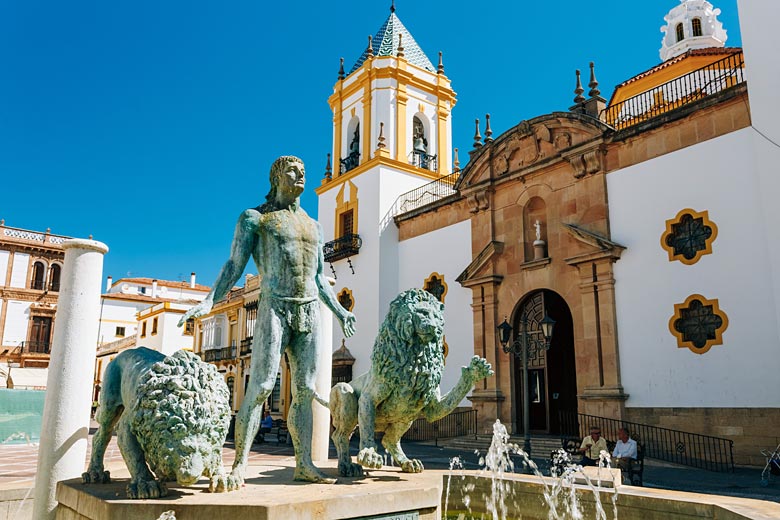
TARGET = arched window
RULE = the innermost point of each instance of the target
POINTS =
(352, 160)
(54, 278)
(38, 276)
(420, 156)
(231, 384)
(680, 32)
(696, 24)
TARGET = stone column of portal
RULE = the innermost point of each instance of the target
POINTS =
(321, 433)
(63, 449)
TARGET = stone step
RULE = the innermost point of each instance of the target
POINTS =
(539, 444)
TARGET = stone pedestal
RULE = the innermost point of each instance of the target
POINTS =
(272, 495)
(540, 249)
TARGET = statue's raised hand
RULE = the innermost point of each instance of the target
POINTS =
(478, 368)
(199, 310)
(348, 323)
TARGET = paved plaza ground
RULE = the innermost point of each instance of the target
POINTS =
(18, 464)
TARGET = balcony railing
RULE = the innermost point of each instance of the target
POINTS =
(218, 354)
(688, 449)
(349, 162)
(696, 85)
(246, 346)
(425, 194)
(422, 160)
(35, 347)
(343, 247)
(456, 424)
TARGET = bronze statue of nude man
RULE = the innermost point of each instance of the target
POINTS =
(286, 245)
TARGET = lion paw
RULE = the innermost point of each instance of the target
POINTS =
(96, 476)
(146, 489)
(350, 470)
(479, 368)
(222, 483)
(412, 466)
(369, 458)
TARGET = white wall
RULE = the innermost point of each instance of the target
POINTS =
(17, 319)
(118, 313)
(718, 176)
(446, 251)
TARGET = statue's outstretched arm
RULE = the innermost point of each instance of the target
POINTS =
(478, 369)
(346, 318)
(244, 242)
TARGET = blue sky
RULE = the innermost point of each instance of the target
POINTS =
(151, 125)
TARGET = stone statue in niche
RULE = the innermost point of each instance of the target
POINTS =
(538, 227)
(286, 245)
(171, 414)
(403, 384)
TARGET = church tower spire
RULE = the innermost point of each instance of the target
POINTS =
(693, 24)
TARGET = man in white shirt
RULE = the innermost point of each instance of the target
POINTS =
(624, 452)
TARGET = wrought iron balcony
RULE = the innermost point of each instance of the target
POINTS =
(422, 160)
(343, 247)
(35, 347)
(218, 354)
(246, 344)
(350, 162)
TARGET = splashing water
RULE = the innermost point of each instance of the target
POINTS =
(560, 496)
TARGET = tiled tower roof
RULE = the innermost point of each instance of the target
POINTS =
(385, 43)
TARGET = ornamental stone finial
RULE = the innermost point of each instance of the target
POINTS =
(456, 162)
(381, 144)
(477, 136)
(341, 69)
(488, 130)
(578, 90)
(370, 49)
(400, 45)
(328, 170)
(594, 85)
(440, 69)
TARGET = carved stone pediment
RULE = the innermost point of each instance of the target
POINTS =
(533, 144)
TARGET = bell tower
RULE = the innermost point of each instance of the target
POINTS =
(392, 133)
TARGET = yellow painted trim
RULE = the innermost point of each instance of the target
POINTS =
(401, 97)
(442, 160)
(119, 321)
(342, 207)
(704, 215)
(351, 297)
(366, 126)
(373, 163)
(718, 340)
(440, 277)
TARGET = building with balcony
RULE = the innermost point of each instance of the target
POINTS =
(30, 271)
(644, 226)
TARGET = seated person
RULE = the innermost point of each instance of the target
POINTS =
(591, 447)
(624, 452)
(266, 423)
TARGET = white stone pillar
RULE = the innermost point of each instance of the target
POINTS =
(65, 427)
(321, 431)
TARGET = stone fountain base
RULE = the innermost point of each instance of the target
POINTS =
(270, 493)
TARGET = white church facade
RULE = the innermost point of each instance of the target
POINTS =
(646, 227)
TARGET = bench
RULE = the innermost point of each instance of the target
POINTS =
(636, 470)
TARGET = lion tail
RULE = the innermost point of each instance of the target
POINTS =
(321, 400)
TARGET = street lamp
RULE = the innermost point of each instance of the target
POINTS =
(520, 347)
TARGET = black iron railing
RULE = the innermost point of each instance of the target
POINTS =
(456, 424)
(422, 160)
(425, 194)
(343, 247)
(688, 449)
(246, 346)
(700, 83)
(35, 347)
(218, 354)
(349, 162)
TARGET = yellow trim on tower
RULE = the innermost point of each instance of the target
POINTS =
(342, 207)
(372, 163)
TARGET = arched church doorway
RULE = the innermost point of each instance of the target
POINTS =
(552, 376)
